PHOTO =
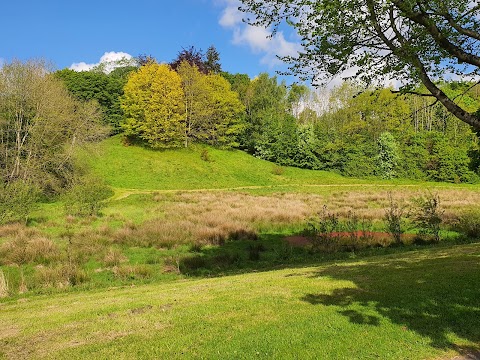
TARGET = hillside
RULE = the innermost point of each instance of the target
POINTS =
(135, 167)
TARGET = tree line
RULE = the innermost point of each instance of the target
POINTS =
(191, 100)
(45, 116)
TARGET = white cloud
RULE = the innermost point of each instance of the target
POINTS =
(231, 17)
(258, 39)
(108, 62)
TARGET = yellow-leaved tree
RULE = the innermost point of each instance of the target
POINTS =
(153, 103)
(213, 111)
(224, 121)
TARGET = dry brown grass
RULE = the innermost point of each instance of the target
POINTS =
(59, 276)
(114, 257)
(28, 246)
(126, 272)
(214, 217)
(197, 219)
(371, 203)
(4, 290)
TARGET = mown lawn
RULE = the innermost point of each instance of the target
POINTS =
(417, 305)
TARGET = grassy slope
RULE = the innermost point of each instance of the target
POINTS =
(135, 167)
(418, 305)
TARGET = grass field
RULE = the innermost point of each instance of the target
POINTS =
(417, 305)
(188, 259)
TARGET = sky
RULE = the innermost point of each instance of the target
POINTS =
(80, 34)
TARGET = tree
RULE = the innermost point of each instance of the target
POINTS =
(212, 60)
(411, 41)
(297, 95)
(208, 63)
(153, 103)
(192, 56)
(212, 110)
(225, 113)
(41, 126)
(194, 99)
(387, 158)
(107, 89)
(239, 83)
(265, 102)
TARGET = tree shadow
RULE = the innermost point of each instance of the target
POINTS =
(435, 294)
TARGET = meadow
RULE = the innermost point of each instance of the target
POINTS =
(188, 258)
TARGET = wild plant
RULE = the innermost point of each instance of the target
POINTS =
(395, 219)
(427, 215)
(323, 229)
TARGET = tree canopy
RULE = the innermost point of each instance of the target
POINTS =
(41, 126)
(106, 89)
(206, 63)
(153, 106)
(410, 41)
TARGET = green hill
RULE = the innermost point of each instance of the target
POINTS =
(135, 167)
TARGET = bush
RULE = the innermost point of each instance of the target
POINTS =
(86, 196)
(17, 200)
(278, 170)
(469, 224)
(427, 216)
(254, 251)
(322, 229)
(394, 218)
(205, 155)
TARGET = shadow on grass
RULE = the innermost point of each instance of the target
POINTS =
(272, 252)
(435, 294)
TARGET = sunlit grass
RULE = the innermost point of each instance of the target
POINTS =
(420, 305)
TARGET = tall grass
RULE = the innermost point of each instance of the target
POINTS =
(4, 291)
(177, 225)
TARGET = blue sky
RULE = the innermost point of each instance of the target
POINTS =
(69, 32)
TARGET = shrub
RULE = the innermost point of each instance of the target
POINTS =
(225, 260)
(322, 229)
(278, 170)
(17, 200)
(284, 252)
(191, 263)
(254, 251)
(427, 216)
(205, 155)
(86, 196)
(469, 223)
(394, 218)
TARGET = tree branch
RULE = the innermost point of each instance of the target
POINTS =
(467, 32)
(410, 92)
(423, 19)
